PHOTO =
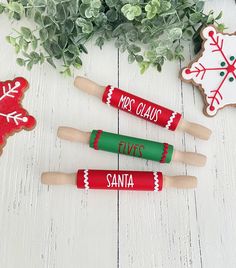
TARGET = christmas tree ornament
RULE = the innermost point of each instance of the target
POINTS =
(119, 180)
(13, 117)
(146, 149)
(142, 108)
(214, 70)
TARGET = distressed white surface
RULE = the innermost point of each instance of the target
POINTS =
(63, 227)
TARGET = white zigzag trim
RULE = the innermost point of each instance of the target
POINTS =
(109, 96)
(156, 182)
(171, 120)
(86, 182)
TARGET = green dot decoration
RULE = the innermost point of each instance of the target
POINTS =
(231, 79)
(222, 73)
(222, 63)
(232, 58)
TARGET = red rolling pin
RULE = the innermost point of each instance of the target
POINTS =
(142, 108)
(119, 180)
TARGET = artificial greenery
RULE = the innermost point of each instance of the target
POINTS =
(150, 31)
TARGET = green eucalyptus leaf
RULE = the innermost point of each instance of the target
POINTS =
(26, 32)
(63, 41)
(200, 6)
(34, 43)
(86, 25)
(30, 65)
(47, 21)
(151, 11)
(111, 3)
(23, 44)
(165, 6)
(38, 18)
(139, 58)
(51, 62)
(144, 66)
(195, 17)
(69, 25)
(43, 34)
(16, 7)
(57, 51)
(100, 42)
(96, 4)
(131, 11)
(134, 48)
(83, 49)
(2, 8)
(20, 61)
(17, 48)
(132, 35)
(131, 58)
(61, 13)
(82, 8)
(219, 16)
(112, 15)
(150, 32)
(77, 62)
(221, 27)
(175, 33)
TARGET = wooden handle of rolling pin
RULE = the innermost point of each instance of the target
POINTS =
(161, 152)
(142, 108)
(119, 180)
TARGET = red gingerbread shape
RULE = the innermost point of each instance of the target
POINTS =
(13, 117)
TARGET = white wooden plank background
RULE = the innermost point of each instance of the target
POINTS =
(63, 227)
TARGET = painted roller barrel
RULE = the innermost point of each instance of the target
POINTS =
(141, 108)
(101, 140)
(119, 180)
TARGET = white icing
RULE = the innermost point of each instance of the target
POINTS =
(8, 92)
(15, 117)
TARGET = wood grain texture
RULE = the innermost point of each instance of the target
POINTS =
(62, 227)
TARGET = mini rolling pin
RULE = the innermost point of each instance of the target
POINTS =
(115, 143)
(142, 108)
(119, 180)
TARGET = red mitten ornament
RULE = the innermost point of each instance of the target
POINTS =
(13, 117)
(214, 70)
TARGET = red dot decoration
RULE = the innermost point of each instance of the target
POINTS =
(212, 108)
(211, 33)
(231, 68)
(187, 71)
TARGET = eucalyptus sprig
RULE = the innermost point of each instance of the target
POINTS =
(150, 31)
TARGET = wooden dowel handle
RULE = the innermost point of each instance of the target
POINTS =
(89, 86)
(180, 182)
(58, 178)
(195, 129)
(74, 135)
(190, 158)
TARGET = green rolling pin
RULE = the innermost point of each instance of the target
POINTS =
(141, 148)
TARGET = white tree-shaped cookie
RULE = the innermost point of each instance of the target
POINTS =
(214, 71)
